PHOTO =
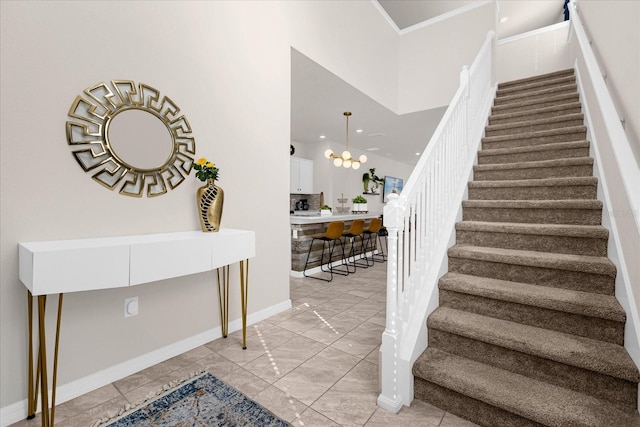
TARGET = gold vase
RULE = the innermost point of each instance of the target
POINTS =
(210, 200)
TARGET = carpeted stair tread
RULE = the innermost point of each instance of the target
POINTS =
(534, 122)
(569, 262)
(542, 182)
(585, 353)
(518, 116)
(534, 148)
(536, 134)
(536, 78)
(527, 105)
(541, 402)
(561, 80)
(576, 161)
(534, 204)
(559, 238)
(564, 300)
(534, 189)
(569, 230)
(536, 93)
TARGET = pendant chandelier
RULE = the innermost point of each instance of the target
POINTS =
(345, 158)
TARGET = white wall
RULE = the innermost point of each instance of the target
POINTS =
(431, 58)
(363, 46)
(537, 52)
(614, 30)
(227, 65)
(615, 165)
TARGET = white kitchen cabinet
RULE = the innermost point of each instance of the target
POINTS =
(301, 179)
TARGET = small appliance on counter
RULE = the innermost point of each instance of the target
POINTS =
(302, 205)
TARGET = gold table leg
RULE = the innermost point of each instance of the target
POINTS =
(41, 378)
(32, 398)
(223, 299)
(244, 296)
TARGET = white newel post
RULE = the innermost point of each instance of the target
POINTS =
(389, 398)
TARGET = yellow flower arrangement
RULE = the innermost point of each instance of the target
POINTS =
(205, 169)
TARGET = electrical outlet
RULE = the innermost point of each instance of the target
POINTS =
(131, 307)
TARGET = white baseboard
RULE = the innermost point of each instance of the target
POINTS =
(18, 411)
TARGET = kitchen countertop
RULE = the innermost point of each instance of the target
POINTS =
(307, 219)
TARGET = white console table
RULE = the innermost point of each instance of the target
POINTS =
(59, 267)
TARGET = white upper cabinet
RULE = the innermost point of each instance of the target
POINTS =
(301, 179)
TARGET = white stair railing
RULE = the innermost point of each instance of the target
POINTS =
(420, 222)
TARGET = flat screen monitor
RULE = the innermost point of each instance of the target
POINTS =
(391, 185)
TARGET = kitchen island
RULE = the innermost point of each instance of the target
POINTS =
(303, 226)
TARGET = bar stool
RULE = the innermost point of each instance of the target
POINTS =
(333, 234)
(371, 243)
(381, 256)
(355, 231)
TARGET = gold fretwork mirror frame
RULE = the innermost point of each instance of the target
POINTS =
(87, 134)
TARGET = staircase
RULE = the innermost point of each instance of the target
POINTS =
(528, 331)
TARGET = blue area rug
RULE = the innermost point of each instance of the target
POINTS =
(201, 401)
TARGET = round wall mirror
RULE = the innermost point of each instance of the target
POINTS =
(130, 137)
(139, 139)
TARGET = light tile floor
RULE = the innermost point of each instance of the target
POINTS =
(313, 365)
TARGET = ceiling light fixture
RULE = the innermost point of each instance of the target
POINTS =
(503, 19)
(345, 158)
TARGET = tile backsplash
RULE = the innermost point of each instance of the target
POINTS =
(312, 199)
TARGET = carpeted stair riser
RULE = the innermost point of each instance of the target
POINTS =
(542, 242)
(564, 279)
(526, 87)
(575, 133)
(554, 151)
(464, 406)
(578, 272)
(569, 323)
(586, 304)
(531, 192)
(556, 122)
(540, 268)
(559, 168)
(528, 105)
(540, 113)
(623, 394)
(534, 170)
(539, 94)
(539, 213)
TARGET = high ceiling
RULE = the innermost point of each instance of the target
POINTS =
(319, 97)
(521, 15)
